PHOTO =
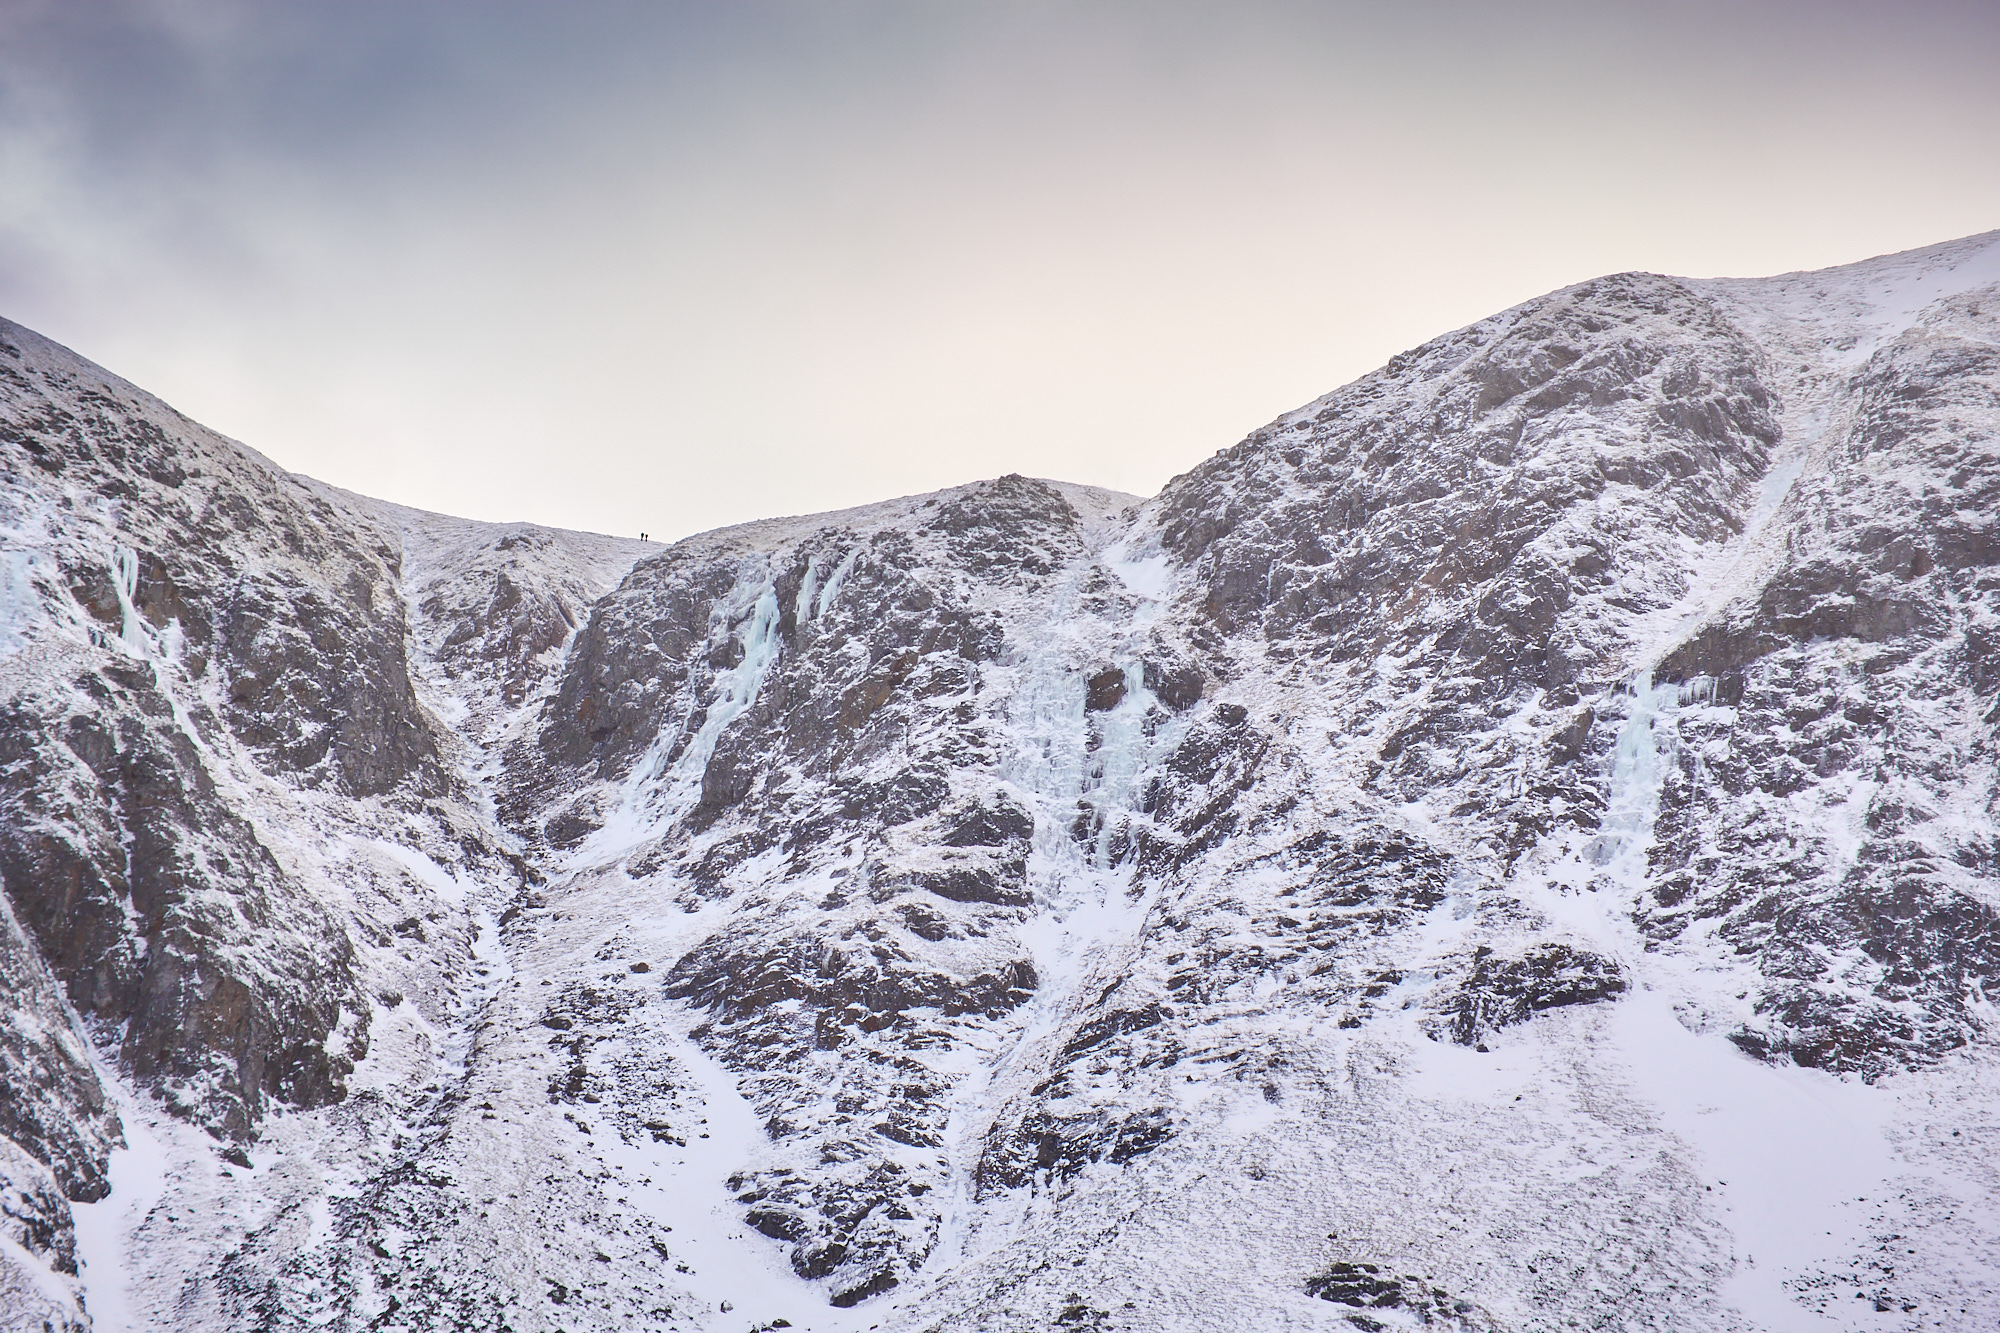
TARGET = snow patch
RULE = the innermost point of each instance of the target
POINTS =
(104, 1230)
(718, 1258)
(1147, 576)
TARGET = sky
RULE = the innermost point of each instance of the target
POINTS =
(662, 267)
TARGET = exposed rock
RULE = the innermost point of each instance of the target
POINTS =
(1365, 1286)
(1495, 992)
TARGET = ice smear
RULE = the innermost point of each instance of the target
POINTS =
(1643, 753)
(125, 578)
(656, 793)
(19, 606)
(735, 689)
(1089, 911)
(1084, 895)
(967, 1119)
(104, 1229)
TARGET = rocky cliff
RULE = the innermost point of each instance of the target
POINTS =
(1509, 845)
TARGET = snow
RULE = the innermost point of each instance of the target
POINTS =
(732, 1267)
(53, 1287)
(1851, 312)
(1785, 1147)
(448, 887)
(105, 1229)
(1149, 576)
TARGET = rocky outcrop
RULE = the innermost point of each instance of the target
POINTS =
(210, 624)
(1478, 498)
(1366, 1287)
(492, 606)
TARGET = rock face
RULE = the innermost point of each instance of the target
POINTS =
(1511, 844)
(216, 772)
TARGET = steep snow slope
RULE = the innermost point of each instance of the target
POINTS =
(1510, 845)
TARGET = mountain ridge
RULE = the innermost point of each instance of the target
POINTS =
(1384, 880)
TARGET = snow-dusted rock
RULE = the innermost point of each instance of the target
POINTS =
(1510, 845)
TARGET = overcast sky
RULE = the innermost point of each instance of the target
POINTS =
(663, 267)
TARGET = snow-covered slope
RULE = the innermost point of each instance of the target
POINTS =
(1510, 845)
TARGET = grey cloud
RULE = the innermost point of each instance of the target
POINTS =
(844, 249)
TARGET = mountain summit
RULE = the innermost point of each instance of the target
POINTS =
(1513, 844)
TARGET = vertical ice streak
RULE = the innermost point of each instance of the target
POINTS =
(832, 588)
(19, 607)
(658, 792)
(802, 610)
(735, 689)
(125, 582)
(1640, 762)
(1062, 755)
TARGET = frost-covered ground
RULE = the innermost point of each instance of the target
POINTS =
(1510, 845)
